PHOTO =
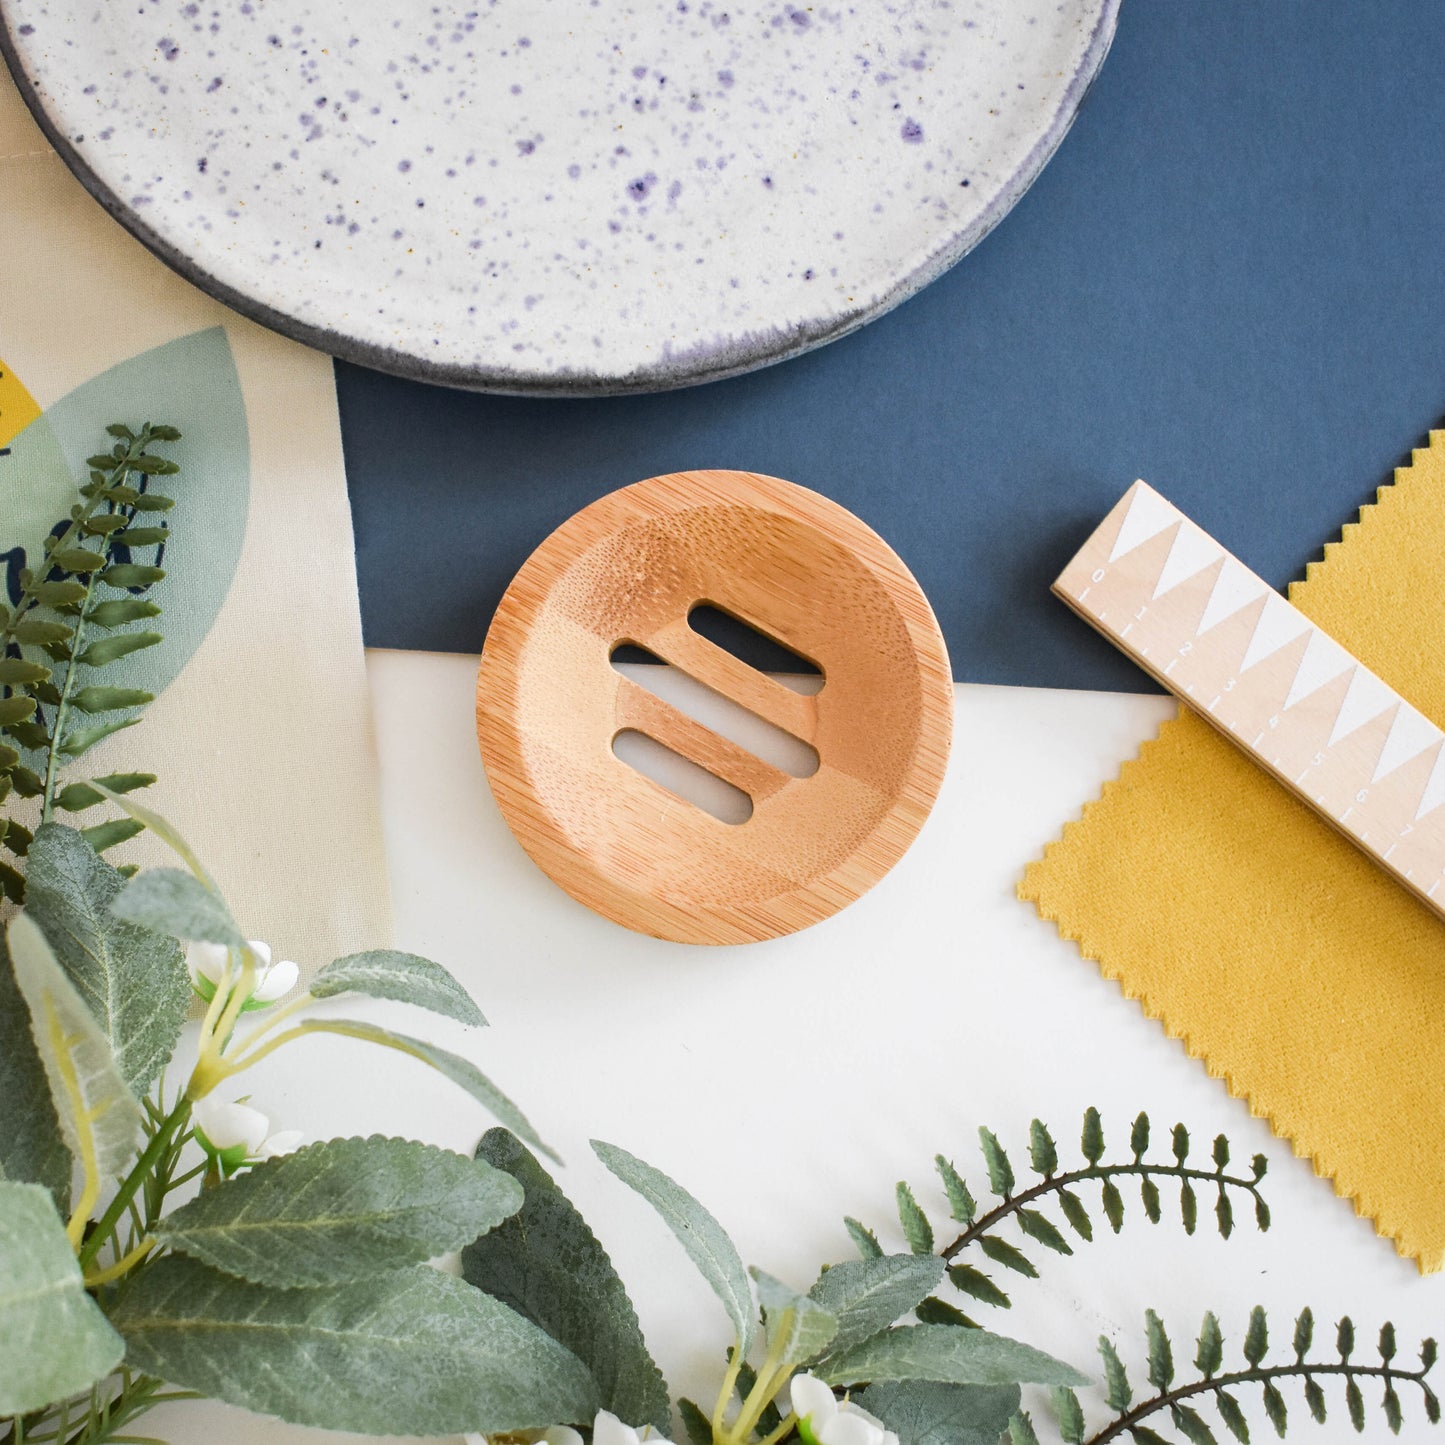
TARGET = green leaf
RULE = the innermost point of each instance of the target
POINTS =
(153, 502)
(1149, 1193)
(1224, 1213)
(16, 710)
(132, 979)
(1345, 1338)
(131, 574)
(916, 1228)
(27, 783)
(174, 902)
(867, 1295)
(18, 672)
(961, 1203)
(107, 835)
(1179, 1141)
(1190, 1424)
(1256, 1337)
(799, 1328)
(106, 699)
(1210, 1354)
(144, 536)
(1043, 1156)
(165, 433)
(105, 650)
(153, 466)
(1387, 1341)
(54, 1341)
(32, 630)
(947, 1355)
(1188, 1207)
(704, 1239)
(386, 973)
(1118, 1395)
(1355, 1403)
(1261, 1214)
(1232, 1416)
(1076, 1214)
(1000, 1172)
(1139, 1137)
(1070, 1415)
(1304, 1333)
(31, 1147)
(342, 1210)
(119, 610)
(79, 741)
(1038, 1226)
(1021, 1429)
(1161, 1356)
(697, 1425)
(75, 797)
(1315, 1399)
(1221, 1152)
(99, 1118)
(923, 1412)
(17, 838)
(1274, 1407)
(1091, 1142)
(405, 1352)
(103, 461)
(160, 827)
(934, 1311)
(77, 559)
(547, 1265)
(1391, 1402)
(864, 1240)
(102, 524)
(977, 1284)
(60, 594)
(462, 1072)
(1001, 1252)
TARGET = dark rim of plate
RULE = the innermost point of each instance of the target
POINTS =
(747, 353)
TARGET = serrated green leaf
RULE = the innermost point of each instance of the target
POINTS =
(1387, 1342)
(979, 1286)
(799, 1328)
(1117, 1393)
(119, 429)
(1432, 1404)
(695, 1424)
(1190, 1424)
(77, 559)
(1002, 1252)
(9, 757)
(1428, 1354)
(916, 1228)
(32, 735)
(168, 900)
(105, 650)
(1161, 1355)
(17, 837)
(462, 1072)
(1149, 1194)
(1391, 1403)
(922, 1412)
(1209, 1355)
(864, 1240)
(867, 1295)
(1069, 1414)
(1139, 1136)
(99, 1118)
(102, 524)
(31, 1147)
(342, 1210)
(144, 537)
(1355, 1403)
(153, 466)
(153, 502)
(1256, 1337)
(961, 1203)
(1232, 1416)
(107, 835)
(1315, 1399)
(1076, 1215)
(1274, 1407)
(60, 594)
(946, 1355)
(104, 461)
(1040, 1227)
(20, 672)
(404, 977)
(409, 1351)
(704, 1239)
(1000, 1171)
(1345, 1338)
(79, 741)
(1021, 1429)
(12, 884)
(27, 783)
(131, 574)
(75, 797)
(1188, 1207)
(1091, 1140)
(1304, 1333)
(1224, 1214)
(164, 432)
(1143, 1435)
(1179, 1142)
(54, 1340)
(118, 610)
(107, 699)
(934, 1311)
(33, 630)
(1261, 1214)
(1221, 1152)
(547, 1265)
(15, 710)
(1043, 1155)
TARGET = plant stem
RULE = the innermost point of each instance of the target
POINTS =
(1096, 1174)
(121, 1266)
(140, 1171)
(1246, 1377)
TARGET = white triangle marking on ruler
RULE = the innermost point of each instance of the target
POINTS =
(1234, 588)
(1191, 553)
(1148, 515)
(1323, 662)
(1434, 793)
(1278, 625)
(1410, 735)
(1366, 698)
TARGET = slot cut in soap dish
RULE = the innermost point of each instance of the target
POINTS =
(628, 575)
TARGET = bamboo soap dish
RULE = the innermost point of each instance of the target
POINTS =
(632, 570)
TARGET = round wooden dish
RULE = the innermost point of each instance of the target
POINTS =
(631, 569)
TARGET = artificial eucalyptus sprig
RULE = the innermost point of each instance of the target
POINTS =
(72, 618)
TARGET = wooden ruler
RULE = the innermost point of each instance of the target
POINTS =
(1232, 648)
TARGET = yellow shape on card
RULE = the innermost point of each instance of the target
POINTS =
(1285, 960)
(17, 407)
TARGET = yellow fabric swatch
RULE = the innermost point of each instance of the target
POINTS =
(17, 407)
(1294, 968)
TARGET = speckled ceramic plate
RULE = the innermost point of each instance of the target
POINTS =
(558, 196)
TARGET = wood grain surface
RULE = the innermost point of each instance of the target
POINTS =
(629, 569)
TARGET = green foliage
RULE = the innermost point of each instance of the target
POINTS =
(545, 1263)
(864, 1240)
(410, 1351)
(170, 900)
(866, 1296)
(342, 1210)
(798, 1328)
(704, 1239)
(54, 1340)
(404, 977)
(923, 1412)
(946, 1355)
(916, 1228)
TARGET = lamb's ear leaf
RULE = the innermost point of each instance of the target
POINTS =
(948, 1355)
(923, 1412)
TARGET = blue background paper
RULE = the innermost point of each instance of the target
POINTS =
(1228, 281)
